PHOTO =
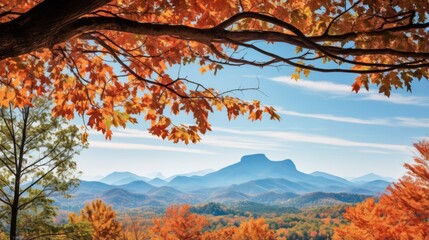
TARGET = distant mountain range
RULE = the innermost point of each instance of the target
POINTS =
(254, 179)
(372, 177)
(119, 178)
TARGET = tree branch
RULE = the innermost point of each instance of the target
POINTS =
(219, 33)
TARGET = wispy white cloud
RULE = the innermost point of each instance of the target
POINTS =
(335, 118)
(412, 122)
(397, 99)
(139, 146)
(346, 90)
(250, 139)
(316, 139)
(317, 86)
(393, 121)
(376, 152)
(127, 133)
(239, 142)
(209, 140)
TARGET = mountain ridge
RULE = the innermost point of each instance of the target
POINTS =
(251, 167)
(372, 177)
(120, 178)
(254, 178)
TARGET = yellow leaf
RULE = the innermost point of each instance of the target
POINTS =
(203, 69)
(84, 138)
(306, 72)
(295, 76)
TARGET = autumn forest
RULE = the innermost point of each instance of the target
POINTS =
(214, 80)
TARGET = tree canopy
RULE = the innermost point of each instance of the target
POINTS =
(178, 223)
(101, 217)
(109, 59)
(401, 213)
(36, 163)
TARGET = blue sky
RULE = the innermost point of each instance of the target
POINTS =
(324, 127)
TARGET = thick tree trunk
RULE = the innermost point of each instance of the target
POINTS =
(19, 158)
(38, 27)
(14, 218)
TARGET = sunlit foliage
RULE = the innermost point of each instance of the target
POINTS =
(401, 213)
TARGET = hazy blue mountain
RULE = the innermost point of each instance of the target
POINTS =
(118, 195)
(120, 178)
(273, 197)
(254, 179)
(377, 185)
(157, 182)
(155, 175)
(86, 191)
(187, 183)
(253, 167)
(137, 187)
(164, 190)
(91, 187)
(190, 174)
(324, 199)
(121, 198)
(230, 196)
(329, 176)
(278, 185)
(126, 181)
(369, 188)
(164, 196)
(359, 190)
(372, 177)
(170, 195)
(198, 173)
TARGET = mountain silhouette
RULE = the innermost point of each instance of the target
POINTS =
(137, 187)
(253, 167)
(328, 176)
(120, 178)
(157, 182)
(372, 177)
